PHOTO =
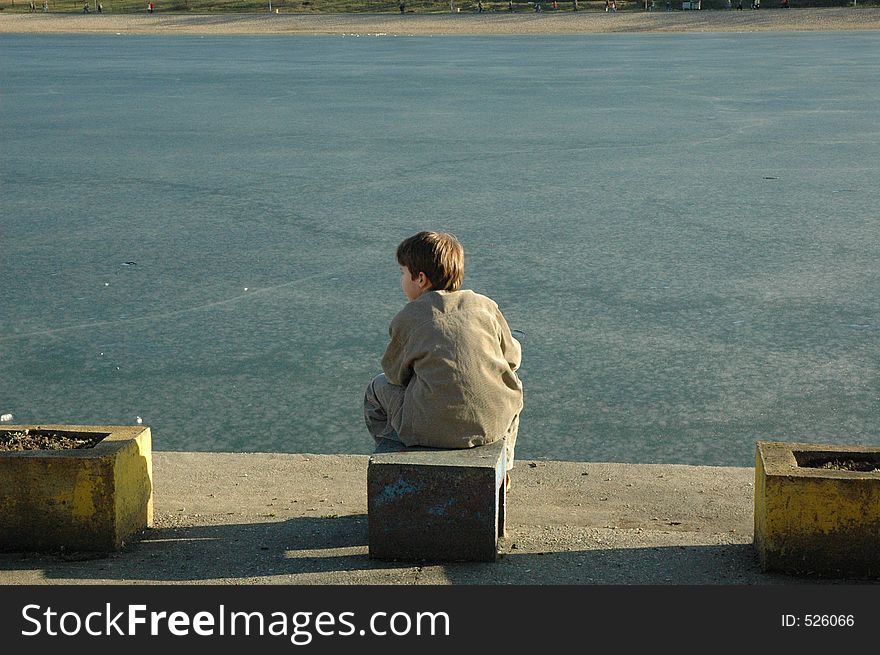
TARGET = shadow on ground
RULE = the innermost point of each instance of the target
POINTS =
(334, 551)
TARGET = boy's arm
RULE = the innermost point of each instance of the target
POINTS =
(397, 361)
(509, 345)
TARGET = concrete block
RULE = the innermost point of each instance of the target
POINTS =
(436, 504)
(89, 499)
(814, 515)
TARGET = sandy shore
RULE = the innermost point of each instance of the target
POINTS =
(844, 18)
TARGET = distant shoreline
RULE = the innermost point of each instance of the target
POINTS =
(765, 20)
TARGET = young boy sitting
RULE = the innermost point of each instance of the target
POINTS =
(449, 371)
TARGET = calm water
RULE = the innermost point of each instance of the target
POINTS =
(684, 226)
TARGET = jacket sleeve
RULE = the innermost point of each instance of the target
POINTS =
(397, 362)
(510, 347)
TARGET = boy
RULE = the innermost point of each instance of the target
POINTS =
(449, 376)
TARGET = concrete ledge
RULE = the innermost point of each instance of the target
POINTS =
(301, 519)
(434, 504)
(810, 519)
(89, 499)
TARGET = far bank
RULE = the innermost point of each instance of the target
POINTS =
(462, 23)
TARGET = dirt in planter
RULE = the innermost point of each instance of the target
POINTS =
(849, 465)
(47, 440)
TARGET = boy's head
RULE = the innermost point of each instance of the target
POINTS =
(434, 260)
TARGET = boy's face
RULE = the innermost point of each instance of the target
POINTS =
(413, 288)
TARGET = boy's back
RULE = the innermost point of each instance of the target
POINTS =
(449, 376)
(453, 353)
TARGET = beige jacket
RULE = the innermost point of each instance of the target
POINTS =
(455, 356)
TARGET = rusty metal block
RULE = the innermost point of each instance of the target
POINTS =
(436, 504)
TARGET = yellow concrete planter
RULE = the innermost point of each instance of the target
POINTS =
(89, 499)
(810, 519)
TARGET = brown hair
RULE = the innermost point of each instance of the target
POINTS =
(436, 254)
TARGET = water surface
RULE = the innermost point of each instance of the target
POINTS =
(200, 232)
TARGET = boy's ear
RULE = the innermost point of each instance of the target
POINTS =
(424, 281)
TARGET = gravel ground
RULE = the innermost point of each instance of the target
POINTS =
(233, 519)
